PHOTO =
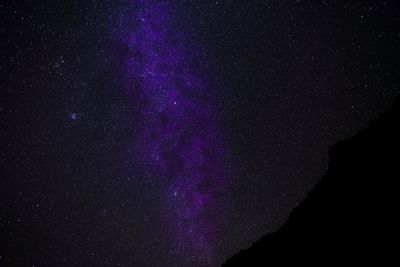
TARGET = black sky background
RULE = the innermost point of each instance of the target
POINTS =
(291, 78)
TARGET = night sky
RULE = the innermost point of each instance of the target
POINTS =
(175, 133)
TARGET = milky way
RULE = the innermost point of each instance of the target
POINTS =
(179, 141)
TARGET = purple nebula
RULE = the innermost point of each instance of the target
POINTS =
(178, 139)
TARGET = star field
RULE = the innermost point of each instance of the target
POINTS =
(175, 133)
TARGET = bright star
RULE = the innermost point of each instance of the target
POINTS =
(73, 116)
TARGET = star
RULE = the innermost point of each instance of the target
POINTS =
(73, 116)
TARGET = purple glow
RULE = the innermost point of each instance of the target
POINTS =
(178, 136)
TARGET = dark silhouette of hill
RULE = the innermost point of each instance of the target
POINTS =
(350, 216)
